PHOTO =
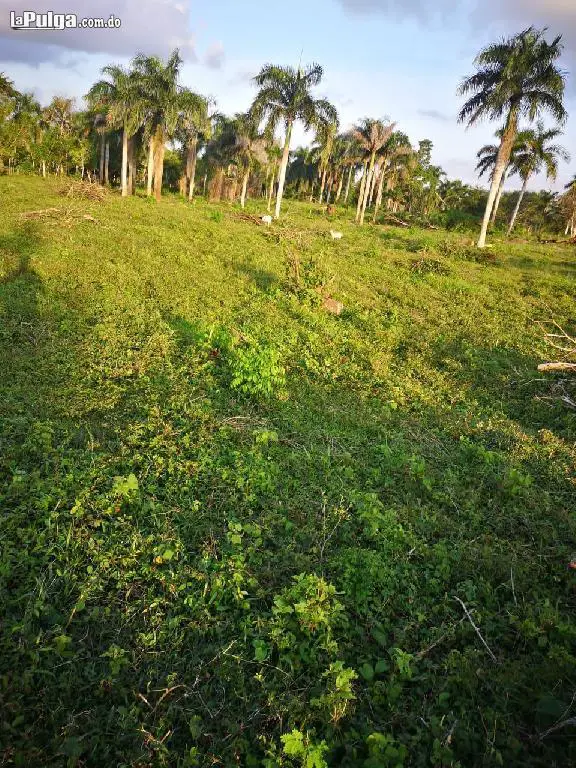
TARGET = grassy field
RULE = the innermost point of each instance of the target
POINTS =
(240, 530)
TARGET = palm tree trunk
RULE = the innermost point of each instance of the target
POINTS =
(150, 173)
(379, 196)
(322, 183)
(158, 164)
(311, 198)
(271, 191)
(124, 172)
(517, 208)
(44, 168)
(244, 187)
(102, 156)
(192, 176)
(107, 164)
(367, 187)
(283, 167)
(502, 161)
(350, 173)
(330, 187)
(131, 179)
(375, 177)
(340, 185)
(361, 192)
(498, 198)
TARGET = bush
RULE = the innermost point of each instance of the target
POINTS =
(257, 371)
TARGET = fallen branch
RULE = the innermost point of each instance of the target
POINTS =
(559, 241)
(557, 727)
(557, 367)
(397, 221)
(471, 620)
(44, 212)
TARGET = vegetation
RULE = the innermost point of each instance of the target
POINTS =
(241, 530)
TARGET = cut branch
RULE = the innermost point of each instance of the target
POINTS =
(557, 367)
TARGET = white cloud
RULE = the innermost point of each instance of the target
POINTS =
(148, 26)
(215, 55)
(484, 15)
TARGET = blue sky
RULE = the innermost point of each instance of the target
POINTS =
(394, 58)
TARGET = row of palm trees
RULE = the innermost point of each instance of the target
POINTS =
(516, 80)
(149, 106)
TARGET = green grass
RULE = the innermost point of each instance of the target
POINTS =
(235, 526)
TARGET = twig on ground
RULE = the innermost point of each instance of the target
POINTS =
(513, 588)
(557, 727)
(471, 620)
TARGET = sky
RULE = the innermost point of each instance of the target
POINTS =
(395, 59)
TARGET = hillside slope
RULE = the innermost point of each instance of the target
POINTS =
(240, 530)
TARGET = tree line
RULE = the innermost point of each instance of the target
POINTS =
(142, 126)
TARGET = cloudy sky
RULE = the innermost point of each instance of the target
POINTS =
(397, 58)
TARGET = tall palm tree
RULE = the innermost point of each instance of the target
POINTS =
(193, 122)
(285, 97)
(537, 152)
(371, 135)
(118, 96)
(515, 77)
(160, 93)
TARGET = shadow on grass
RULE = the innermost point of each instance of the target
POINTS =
(265, 281)
(17, 250)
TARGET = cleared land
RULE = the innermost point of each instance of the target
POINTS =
(230, 516)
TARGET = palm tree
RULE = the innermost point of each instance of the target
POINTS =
(250, 147)
(325, 138)
(393, 160)
(303, 169)
(371, 135)
(487, 158)
(275, 154)
(118, 96)
(537, 152)
(515, 77)
(194, 122)
(160, 93)
(285, 97)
